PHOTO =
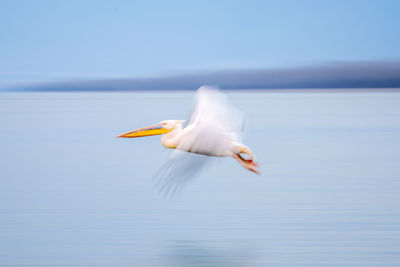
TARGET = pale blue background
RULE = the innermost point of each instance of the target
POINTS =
(71, 193)
(47, 40)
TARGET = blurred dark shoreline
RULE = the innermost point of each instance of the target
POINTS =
(155, 91)
(335, 76)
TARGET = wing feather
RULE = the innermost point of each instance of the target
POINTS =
(180, 168)
(213, 129)
(214, 126)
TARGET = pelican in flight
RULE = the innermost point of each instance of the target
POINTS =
(213, 130)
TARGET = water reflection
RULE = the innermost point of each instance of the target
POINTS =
(329, 194)
(196, 253)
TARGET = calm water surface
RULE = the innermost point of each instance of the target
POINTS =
(73, 194)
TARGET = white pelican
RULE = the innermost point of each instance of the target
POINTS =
(214, 129)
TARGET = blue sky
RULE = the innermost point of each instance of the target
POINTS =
(67, 40)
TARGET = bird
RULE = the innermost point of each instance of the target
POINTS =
(214, 129)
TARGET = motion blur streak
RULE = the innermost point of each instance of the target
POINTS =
(214, 129)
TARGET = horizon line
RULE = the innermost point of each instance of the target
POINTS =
(349, 74)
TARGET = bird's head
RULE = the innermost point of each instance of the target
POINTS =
(160, 128)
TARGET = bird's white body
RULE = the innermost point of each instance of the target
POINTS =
(214, 129)
(183, 139)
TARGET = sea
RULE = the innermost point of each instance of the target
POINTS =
(72, 194)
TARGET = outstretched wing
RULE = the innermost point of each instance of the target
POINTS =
(214, 126)
(212, 109)
(213, 129)
(180, 168)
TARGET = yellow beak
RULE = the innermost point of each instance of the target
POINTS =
(147, 131)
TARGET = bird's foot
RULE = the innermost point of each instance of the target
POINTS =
(251, 166)
(252, 162)
(246, 159)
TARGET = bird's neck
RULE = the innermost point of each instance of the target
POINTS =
(171, 139)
